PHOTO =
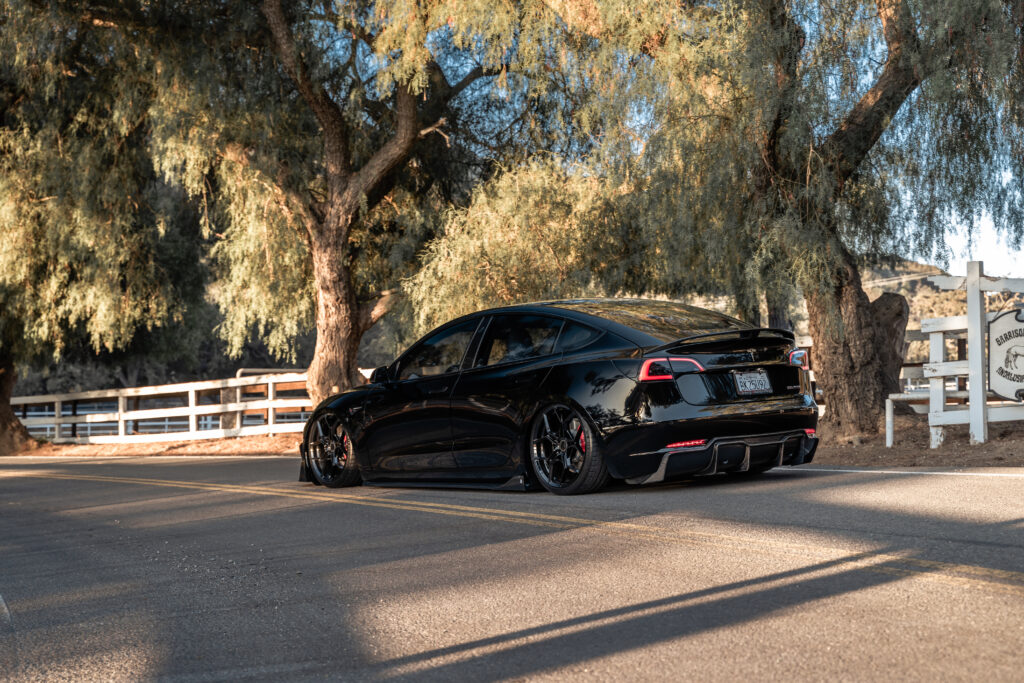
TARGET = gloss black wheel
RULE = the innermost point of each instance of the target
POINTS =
(330, 455)
(565, 456)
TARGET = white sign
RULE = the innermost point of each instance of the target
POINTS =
(1006, 355)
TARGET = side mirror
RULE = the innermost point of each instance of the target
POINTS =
(379, 375)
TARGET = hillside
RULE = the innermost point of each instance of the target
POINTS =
(925, 299)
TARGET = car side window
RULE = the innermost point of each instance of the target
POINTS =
(440, 354)
(511, 338)
(575, 336)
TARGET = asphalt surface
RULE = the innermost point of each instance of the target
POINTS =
(195, 569)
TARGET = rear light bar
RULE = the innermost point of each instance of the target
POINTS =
(692, 443)
(662, 368)
(809, 432)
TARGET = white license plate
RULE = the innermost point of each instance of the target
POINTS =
(752, 383)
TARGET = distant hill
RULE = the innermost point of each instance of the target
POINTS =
(925, 299)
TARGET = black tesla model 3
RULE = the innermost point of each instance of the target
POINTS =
(568, 394)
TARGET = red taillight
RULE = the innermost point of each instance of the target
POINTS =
(800, 358)
(692, 443)
(661, 370)
(809, 432)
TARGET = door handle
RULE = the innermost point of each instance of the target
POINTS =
(436, 390)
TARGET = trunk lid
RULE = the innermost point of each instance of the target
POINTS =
(734, 366)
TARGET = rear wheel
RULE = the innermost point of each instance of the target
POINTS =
(565, 456)
(330, 455)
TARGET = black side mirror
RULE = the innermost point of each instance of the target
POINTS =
(379, 375)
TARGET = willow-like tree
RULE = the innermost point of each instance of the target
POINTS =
(84, 221)
(773, 143)
(864, 130)
(327, 138)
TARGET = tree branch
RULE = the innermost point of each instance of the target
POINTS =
(327, 112)
(474, 74)
(289, 201)
(375, 309)
(388, 157)
(847, 146)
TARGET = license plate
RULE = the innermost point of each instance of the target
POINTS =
(752, 383)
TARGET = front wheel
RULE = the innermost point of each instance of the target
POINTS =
(565, 456)
(331, 458)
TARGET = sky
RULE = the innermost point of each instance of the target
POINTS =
(998, 258)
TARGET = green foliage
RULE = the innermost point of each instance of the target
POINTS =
(85, 224)
(719, 118)
(248, 149)
(537, 231)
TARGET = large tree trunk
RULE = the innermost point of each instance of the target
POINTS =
(778, 310)
(857, 352)
(339, 323)
(13, 435)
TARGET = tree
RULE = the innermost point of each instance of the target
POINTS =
(82, 215)
(327, 139)
(535, 231)
(767, 143)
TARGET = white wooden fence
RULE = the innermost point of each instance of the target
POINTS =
(980, 409)
(242, 406)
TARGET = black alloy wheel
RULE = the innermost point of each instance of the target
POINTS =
(564, 454)
(330, 454)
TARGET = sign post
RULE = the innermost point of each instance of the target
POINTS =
(976, 374)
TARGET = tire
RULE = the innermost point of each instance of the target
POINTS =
(564, 454)
(329, 453)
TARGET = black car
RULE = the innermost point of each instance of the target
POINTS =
(568, 394)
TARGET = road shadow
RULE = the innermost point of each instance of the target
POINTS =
(220, 584)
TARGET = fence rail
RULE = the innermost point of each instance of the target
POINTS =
(241, 406)
(970, 369)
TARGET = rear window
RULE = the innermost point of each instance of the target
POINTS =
(663, 320)
(575, 336)
(512, 338)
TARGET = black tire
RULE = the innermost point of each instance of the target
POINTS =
(565, 456)
(329, 453)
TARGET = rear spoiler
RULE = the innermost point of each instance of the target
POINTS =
(728, 334)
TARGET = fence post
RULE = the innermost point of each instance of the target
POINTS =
(936, 387)
(122, 408)
(58, 408)
(271, 395)
(193, 420)
(888, 423)
(977, 380)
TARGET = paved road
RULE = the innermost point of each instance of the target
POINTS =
(226, 568)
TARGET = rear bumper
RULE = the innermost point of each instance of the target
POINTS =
(723, 454)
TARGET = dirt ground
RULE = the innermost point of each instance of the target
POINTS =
(284, 444)
(1005, 447)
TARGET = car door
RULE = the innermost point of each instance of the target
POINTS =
(407, 423)
(498, 390)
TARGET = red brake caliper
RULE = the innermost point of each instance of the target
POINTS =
(583, 445)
